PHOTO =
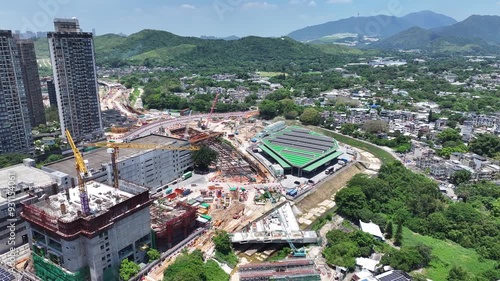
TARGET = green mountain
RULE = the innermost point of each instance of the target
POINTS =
(430, 41)
(429, 19)
(484, 27)
(380, 25)
(161, 48)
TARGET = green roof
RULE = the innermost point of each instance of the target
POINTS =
(275, 157)
(207, 217)
(205, 205)
(323, 161)
(315, 147)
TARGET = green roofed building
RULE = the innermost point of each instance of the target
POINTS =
(300, 151)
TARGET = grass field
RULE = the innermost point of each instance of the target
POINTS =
(269, 74)
(381, 154)
(447, 254)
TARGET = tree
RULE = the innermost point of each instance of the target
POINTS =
(457, 273)
(486, 145)
(51, 114)
(153, 255)
(128, 269)
(351, 202)
(449, 135)
(222, 242)
(204, 157)
(376, 126)
(310, 116)
(398, 238)
(388, 230)
(348, 129)
(9, 159)
(268, 109)
(461, 176)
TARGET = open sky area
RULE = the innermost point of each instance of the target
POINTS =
(219, 17)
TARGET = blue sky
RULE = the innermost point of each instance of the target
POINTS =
(219, 17)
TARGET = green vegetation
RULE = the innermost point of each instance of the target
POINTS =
(381, 154)
(448, 254)
(134, 95)
(9, 159)
(409, 258)
(321, 221)
(415, 201)
(451, 141)
(204, 157)
(161, 48)
(191, 267)
(281, 254)
(486, 145)
(310, 116)
(153, 255)
(223, 249)
(343, 248)
(128, 269)
(51, 114)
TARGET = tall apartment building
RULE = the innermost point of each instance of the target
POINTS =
(75, 79)
(68, 246)
(15, 125)
(29, 68)
(51, 90)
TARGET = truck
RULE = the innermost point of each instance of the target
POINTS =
(186, 192)
(187, 175)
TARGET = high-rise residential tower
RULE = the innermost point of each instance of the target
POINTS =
(29, 68)
(75, 79)
(51, 90)
(15, 126)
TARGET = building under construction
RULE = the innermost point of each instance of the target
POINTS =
(299, 269)
(68, 246)
(151, 168)
(172, 224)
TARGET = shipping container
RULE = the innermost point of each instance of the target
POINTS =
(207, 217)
(169, 190)
(172, 196)
(186, 192)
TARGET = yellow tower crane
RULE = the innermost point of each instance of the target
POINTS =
(113, 148)
(82, 173)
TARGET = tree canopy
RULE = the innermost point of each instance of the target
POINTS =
(204, 157)
(310, 116)
(192, 267)
(486, 145)
(128, 269)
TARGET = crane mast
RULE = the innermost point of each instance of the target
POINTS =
(82, 173)
(213, 107)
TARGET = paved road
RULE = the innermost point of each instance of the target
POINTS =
(154, 127)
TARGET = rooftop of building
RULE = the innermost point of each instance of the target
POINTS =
(61, 214)
(97, 157)
(25, 177)
(299, 147)
(101, 198)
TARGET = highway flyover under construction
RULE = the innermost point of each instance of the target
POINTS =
(278, 226)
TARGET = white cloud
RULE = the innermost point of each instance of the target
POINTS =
(187, 6)
(259, 5)
(339, 1)
(312, 3)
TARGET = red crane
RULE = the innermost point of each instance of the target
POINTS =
(212, 109)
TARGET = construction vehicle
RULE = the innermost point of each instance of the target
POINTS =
(82, 173)
(114, 147)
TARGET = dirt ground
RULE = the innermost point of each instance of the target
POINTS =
(328, 188)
